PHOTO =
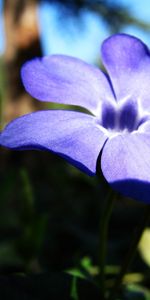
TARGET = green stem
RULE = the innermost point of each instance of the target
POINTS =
(104, 222)
(130, 254)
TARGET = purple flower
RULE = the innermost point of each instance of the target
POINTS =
(118, 122)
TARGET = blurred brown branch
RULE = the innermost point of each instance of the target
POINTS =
(22, 43)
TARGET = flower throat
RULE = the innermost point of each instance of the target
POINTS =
(125, 117)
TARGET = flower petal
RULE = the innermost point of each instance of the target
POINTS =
(73, 135)
(66, 80)
(125, 164)
(145, 126)
(127, 61)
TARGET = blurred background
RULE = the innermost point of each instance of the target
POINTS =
(49, 211)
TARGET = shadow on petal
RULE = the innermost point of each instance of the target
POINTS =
(136, 189)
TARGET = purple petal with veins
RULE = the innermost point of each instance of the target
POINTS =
(119, 127)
